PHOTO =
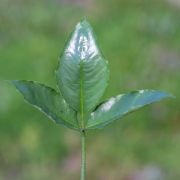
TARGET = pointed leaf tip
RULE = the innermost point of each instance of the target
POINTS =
(84, 20)
(83, 26)
(14, 82)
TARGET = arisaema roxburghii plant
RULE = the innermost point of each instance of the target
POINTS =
(82, 77)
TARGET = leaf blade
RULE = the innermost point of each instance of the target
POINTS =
(119, 106)
(48, 101)
(82, 73)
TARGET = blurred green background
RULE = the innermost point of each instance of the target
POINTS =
(141, 40)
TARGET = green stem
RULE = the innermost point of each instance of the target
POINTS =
(83, 155)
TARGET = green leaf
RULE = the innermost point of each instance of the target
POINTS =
(48, 101)
(82, 73)
(117, 107)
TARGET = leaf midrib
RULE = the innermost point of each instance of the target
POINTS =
(81, 95)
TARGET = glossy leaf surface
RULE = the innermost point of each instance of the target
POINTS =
(48, 101)
(82, 73)
(117, 107)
